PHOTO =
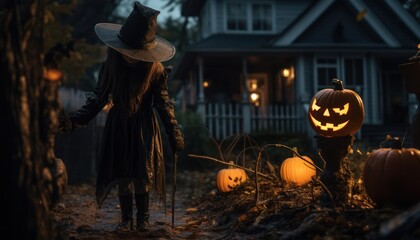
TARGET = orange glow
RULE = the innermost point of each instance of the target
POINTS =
(285, 72)
(255, 97)
(53, 75)
(206, 84)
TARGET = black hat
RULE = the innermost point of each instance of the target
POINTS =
(137, 38)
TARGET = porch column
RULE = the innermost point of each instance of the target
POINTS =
(246, 108)
(201, 101)
(200, 80)
(302, 95)
(300, 81)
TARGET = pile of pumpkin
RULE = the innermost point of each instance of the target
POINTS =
(391, 174)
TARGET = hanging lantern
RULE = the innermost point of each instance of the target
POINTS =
(336, 111)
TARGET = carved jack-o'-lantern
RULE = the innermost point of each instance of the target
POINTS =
(336, 112)
(229, 178)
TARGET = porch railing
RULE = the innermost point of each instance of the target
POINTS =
(227, 119)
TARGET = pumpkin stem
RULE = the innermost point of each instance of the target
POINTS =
(391, 142)
(338, 84)
(295, 150)
(231, 164)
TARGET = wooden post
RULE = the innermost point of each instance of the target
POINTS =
(415, 125)
(411, 76)
(337, 172)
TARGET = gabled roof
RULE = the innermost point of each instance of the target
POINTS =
(378, 14)
(408, 20)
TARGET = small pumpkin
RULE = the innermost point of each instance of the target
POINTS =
(391, 174)
(296, 170)
(336, 112)
(229, 178)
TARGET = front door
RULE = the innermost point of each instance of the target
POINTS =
(258, 89)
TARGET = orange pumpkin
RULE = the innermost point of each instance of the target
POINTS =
(392, 175)
(296, 170)
(229, 178)
(336, 112)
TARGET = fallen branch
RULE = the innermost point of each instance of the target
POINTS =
(230, 164)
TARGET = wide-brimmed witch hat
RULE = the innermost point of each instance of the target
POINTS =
(137, 38)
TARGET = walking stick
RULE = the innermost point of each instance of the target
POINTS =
(174, 188)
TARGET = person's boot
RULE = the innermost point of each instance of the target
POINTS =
(142, 204)
(126, 203)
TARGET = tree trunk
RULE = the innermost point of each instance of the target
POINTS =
(27, 121)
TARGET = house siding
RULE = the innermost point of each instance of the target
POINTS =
(287, 11)
(393, 23)
(284, 13)
(206, 21)
(220, 16)
(338, 25)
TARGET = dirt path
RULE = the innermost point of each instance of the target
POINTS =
(78, 217)
(283, 212)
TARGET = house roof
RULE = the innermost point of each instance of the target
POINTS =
(387, 19)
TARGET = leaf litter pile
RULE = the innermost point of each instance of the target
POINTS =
(268, 208)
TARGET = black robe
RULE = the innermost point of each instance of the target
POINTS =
(131, 145)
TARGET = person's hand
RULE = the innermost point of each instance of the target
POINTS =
(179, 144)
(177, 141)
(64, 123)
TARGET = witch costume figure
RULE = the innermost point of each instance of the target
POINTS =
(133, 80)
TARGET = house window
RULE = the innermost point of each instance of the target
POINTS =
(236, 16)
(349, 70)
(326, 69)
(261, 17)
(255, 17)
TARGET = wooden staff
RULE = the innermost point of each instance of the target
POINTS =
(174, 188)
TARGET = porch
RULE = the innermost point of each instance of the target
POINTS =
(225, 119)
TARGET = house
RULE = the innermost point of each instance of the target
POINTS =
(258, 63)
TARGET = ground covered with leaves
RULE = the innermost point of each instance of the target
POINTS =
(263, 207)
(283, 211)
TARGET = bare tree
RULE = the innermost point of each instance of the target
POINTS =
(28, 119)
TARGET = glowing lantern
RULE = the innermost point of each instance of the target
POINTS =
(336, 112)
(229, 178)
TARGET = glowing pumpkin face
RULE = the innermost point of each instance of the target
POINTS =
(230, 178)
(336, 112)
